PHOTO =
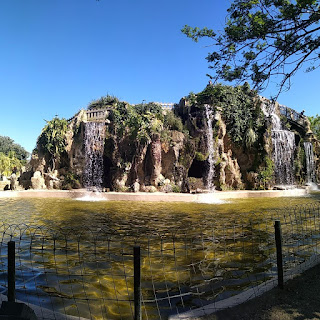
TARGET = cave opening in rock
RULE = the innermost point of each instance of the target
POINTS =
(198, 169)
(107, 164)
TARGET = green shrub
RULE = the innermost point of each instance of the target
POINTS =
(71, 181)
(176, 188)
(266, 174)
(172, 122)
(200, 156)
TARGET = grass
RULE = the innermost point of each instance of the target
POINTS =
(299, 300)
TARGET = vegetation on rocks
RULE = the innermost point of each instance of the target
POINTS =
(315, 125)
(240, 109)
(148, 148)
(52, 140)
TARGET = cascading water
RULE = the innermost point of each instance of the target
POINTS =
(211, 150)
(283, 143)
(311, 176)
(283, 155)
(94, 147)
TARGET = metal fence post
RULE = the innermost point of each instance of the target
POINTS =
(278, 238)
(11, 272)
(137, 282)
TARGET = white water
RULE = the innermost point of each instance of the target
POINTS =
(283, 156)
(92, 197)
(210, 199)
(311, 175)
(211, 149)
(283, 143)
(94, 148)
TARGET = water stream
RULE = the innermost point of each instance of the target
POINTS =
(283, 143)
(310, 164)
(94, 147)
(211, 149)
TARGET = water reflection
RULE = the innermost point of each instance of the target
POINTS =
(81, 259)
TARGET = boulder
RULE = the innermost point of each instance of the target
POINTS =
(37, 181)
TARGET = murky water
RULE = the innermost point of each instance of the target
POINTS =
(220, 262)
(138, 216)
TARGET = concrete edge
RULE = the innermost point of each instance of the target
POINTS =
(43, 313)
(213, 198)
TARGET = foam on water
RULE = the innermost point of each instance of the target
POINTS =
(92, 197)
(210, 199)
(313, 186)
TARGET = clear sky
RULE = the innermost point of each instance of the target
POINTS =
(58, 55)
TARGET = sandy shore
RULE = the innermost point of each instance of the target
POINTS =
(156, 196)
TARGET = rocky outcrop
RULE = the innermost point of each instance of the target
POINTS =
(176, 159)
(37, 181)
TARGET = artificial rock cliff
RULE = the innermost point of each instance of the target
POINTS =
(179, 161)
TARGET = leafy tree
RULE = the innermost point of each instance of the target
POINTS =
(7, 145)
(315, 125)
(264, 38)
(52, 139)
(9, 163)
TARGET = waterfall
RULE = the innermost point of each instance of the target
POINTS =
(283, 143)
(311, 176)
(211, 150)
(94, 146)
(283, 156)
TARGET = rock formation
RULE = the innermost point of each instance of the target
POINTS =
(149, 149)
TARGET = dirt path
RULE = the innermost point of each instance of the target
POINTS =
(299, 300)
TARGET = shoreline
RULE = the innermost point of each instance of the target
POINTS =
(215, 197)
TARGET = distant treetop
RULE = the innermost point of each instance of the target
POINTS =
(7, 145)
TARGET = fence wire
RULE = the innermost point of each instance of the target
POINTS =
(89, 273)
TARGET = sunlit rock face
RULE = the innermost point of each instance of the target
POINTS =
(201, 157)
(284, 135)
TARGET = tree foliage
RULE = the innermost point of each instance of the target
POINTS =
(8, 145)
(52, 139)
(315, 125)
(9, 163)
(262, 39)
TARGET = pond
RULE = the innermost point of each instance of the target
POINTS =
(139, 217)
(188, 226)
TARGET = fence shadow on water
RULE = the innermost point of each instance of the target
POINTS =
(89, 273)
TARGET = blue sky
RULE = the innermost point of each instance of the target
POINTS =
(57, 56)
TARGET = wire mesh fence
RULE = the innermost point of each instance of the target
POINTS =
(90, 273)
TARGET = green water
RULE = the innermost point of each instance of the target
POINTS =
(221, 263)
(139, 216)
